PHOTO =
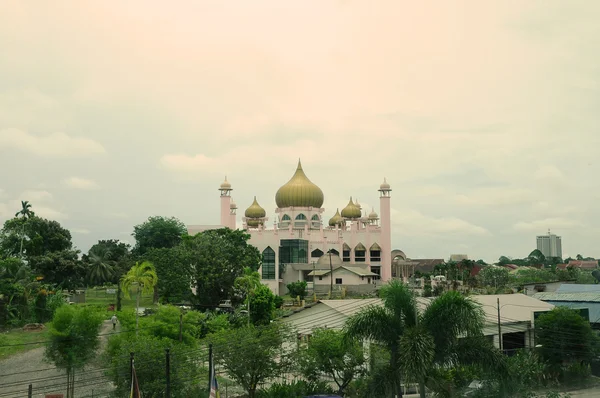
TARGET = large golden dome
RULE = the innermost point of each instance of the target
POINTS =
(255, 211)
(299, 192)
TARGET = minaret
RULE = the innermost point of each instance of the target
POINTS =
(386, 231)
(225, 190)
(232, 214)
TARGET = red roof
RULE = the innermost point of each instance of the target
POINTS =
(583, 264)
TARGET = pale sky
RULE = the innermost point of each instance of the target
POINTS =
(481, 114)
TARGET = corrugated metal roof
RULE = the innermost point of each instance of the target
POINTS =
(574, 288)
(357, 270)
(573, 297)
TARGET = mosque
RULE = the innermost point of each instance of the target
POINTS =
(301, 246)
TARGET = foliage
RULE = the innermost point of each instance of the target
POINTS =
(565, 338)
(409, 335)
(149, 361)
(158, 233)
(297, 289)
(262, 305)
(278, 302)
(41, 236)
(174, 274)
(143, 277)
(494, 276)
(106, 261)
(218, 258)
(329, 353)
(73, 340)
(251, 355)
(294, 389)
(61, 268)
(532, 275)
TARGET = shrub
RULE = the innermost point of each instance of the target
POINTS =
(278, 301)
(297, 289)
(295, 389)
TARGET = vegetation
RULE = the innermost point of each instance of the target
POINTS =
(493, 276)
(158, 233)
(73, 340)
(143, 278)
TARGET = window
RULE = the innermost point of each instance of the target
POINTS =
(338, 281)
(285, 218)
(346, 255)
(320, 278)
(333, 251)
(268, 264)
(316, 253)
(360, 253)
(315, 217)
(293, 251)
(300, 217)
(375, 256)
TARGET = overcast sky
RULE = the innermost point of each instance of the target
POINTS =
(483, 115)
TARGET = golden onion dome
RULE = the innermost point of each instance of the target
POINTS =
(337, 219)
(299, 191)
(373, 215)
(225, 185)
(385, 186)
(255, 211)
(253, 223)
(351, 210)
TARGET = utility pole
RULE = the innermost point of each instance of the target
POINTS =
(168, 373)
(210, 366)
(30, 391)
(499, 327)
(330, 275)
(131, 354)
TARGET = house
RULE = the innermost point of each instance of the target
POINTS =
(577, 297)
(516, 316)
(532, 288)
(354, 278)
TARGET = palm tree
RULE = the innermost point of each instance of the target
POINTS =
(143, 276)
(446, 334)
(25, 213)
(101, 265)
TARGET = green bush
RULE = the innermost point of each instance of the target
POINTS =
(278, 301)
(297, 289)
(295, 389)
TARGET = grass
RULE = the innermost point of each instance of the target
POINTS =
(98, 296)
(9, 341)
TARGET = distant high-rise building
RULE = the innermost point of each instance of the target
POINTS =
(550, 245)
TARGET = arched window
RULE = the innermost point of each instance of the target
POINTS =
(375, 253)
(360, 253)
(300, 217)
(337, 253)
(316, 253)
(268, 263)
(346, 253)
(315, 217)
(285, 218)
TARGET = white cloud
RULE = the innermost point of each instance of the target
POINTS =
(81, 183)
(52, 145)
(411, 222)
(552, 223)
(34, 195)
(495, 196)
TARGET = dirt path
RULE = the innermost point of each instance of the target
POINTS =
(18, 371)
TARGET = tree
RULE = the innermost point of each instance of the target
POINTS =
(218, 257)
(536, 257)
(175, 274)
(73, 340)
(420, 350)
(565, 337)
(494, 276)
(62, 268)
(251, 355)
(297, 289)
(329, 353)
(143, 277)
(114, 254)
(100, 266)
(25, 213)
(38, 235)
(262, 305)
(157, 233)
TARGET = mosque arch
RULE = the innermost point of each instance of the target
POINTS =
(268, 263)
(317, 253)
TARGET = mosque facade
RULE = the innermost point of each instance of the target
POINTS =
(301, 242)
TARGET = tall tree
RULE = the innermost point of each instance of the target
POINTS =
(143, 278)
(62, 268)
(25, 213)
(42, 236)
(175, 276)
(217, 258)
(100, 265)
(113, 251)
(73, 340)
(262, 305)
(157, 233)
(418, 346)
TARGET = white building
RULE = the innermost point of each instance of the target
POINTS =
(550, 245)
(299, 236)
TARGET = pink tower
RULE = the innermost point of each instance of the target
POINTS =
(226, 217)
(386, 231)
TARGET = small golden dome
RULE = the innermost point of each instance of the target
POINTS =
(337, 219)
(351, 210)
(299, 191)
(385, 186)
(232, 206)
(225, 185)
(255, 211)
